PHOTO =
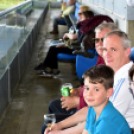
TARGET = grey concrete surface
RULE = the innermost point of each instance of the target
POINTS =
(24, 115)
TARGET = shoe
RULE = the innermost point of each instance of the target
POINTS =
(44, 74)
(55, 71)
(39, 67)
(53, 32)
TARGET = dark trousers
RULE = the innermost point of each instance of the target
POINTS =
(51, 58)
(55, 23)
(68, 22)
(60, 114)
(55, 107)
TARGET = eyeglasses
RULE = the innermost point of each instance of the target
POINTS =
(80, 13)
(98, 39)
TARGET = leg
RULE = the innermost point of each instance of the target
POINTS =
(55, 23)
(55, 107)
(68, 22)
(51, 58)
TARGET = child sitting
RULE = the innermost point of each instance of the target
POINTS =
(102, 117)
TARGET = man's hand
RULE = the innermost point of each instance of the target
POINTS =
(76, 91)
(65, 36)
(70, 102)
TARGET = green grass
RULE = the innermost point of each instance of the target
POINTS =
(5, 4)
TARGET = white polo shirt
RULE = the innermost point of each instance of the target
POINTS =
(122, 99)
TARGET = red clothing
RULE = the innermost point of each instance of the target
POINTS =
(100, 60)
(82, 101)
(87, 25)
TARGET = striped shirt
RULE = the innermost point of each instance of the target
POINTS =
(122, 99)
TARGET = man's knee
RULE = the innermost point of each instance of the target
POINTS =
(53, 104)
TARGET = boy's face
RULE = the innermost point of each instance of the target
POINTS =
(96, 95)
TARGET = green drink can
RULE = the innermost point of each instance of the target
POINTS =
(65, 91)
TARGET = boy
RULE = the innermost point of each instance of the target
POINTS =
(131, 75)
(102, 117)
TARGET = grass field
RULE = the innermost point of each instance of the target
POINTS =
(5, 4)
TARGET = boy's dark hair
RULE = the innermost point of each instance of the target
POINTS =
(100, 74)
(131, 72)
(88, 14)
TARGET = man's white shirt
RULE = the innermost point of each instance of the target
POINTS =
(122, 98)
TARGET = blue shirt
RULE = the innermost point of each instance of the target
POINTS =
(109, 122)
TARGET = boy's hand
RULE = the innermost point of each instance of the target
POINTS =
(54, 128)
(70, 102)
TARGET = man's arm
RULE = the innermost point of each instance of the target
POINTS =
(68, 10)
(118, 99)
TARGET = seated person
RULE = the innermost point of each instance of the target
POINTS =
(102, 117)
(50, 64)
(64, 105)
(67, 11)
(131, 75)
(119, 52)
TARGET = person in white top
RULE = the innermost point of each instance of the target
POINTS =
(116, 48)
(116, 51)
(130, 2)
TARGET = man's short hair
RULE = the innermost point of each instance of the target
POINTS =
(104, 25)
(126, 42)
(131, 72)
(100, 74)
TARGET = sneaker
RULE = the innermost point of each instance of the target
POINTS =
(39, 67)
(55, 71)
(53, 32)
(44, 74)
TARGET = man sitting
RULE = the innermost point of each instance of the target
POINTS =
(116, 50)
(67, 11)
